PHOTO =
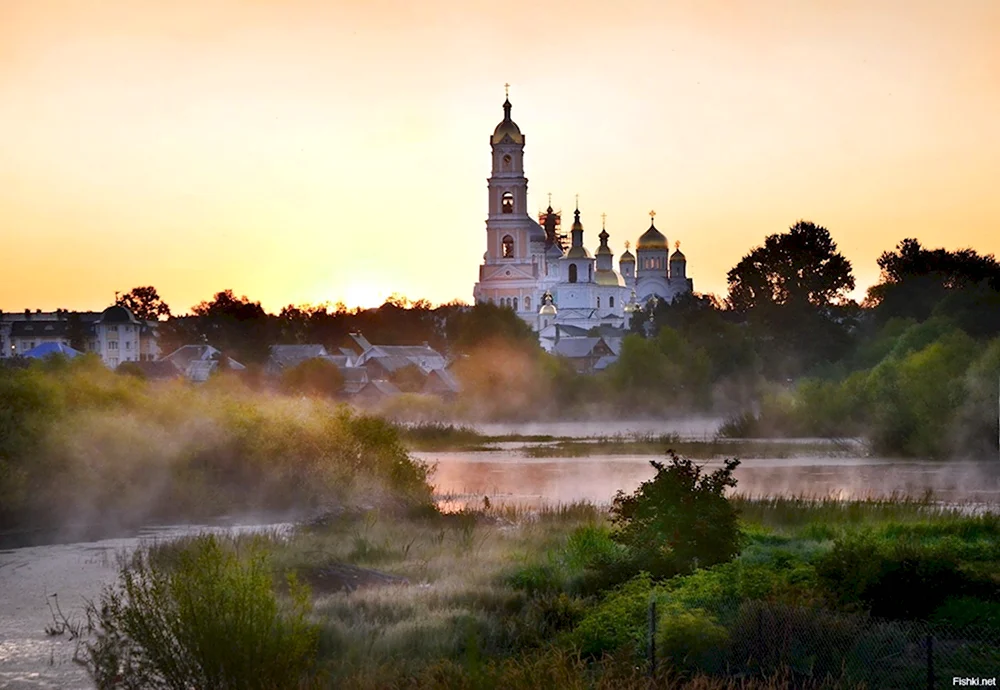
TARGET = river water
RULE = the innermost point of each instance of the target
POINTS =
(30, 659)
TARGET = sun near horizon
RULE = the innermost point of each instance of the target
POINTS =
(308, 152)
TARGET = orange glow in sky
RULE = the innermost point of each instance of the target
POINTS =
(313, 151)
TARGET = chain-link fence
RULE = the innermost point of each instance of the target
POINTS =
(755, 638)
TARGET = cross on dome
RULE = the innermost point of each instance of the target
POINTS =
(604, 217)
(506, 90)
(652, 214)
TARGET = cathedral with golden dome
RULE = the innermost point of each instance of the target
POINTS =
(549, 278)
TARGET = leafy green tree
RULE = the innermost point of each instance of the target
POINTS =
(145, 303)
(680, 519)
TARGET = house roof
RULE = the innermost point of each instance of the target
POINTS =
(159, 369)
(604, 362)
(576, 347)
(393, 357)
(340, 361)
(361, 341)
(290, 355)
(441, 379)
(46, 349)
(355, 378)
(381, 387)
(118, 314)
(199, 360)
(39, 329)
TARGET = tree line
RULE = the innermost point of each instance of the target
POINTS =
(788, 323)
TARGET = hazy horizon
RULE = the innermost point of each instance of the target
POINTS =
(307, 152)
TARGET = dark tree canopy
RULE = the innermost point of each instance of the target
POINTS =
(145, 303)
(487, 322)
(234, 325)
(917, 283)
(801, 266)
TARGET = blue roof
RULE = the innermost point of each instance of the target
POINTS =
(46, 349)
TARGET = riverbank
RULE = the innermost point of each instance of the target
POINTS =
(520, 597)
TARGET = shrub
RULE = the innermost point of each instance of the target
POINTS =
(618, 622)
(899, 579)
(680, 519)
(209, 620)
(691, 639)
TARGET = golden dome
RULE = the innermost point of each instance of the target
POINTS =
(678, 256)
(652, 239)
(507, 128)
(608, 278)
(627, 257)
(548, 310)
(577, 253)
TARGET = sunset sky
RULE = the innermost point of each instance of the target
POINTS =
(301, 152)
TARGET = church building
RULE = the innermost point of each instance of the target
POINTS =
(549, 279)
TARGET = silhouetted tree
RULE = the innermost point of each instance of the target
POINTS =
(793, 292)
(145, 303)
(485, 323)
(801, 266)
(916, 282)
(234, 325)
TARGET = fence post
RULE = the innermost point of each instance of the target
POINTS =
(930, 662)
(651, 642)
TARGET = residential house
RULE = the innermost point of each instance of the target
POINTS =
(584, 352)
(198, 362)
(374, 392)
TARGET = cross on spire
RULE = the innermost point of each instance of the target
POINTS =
(677, 244)
(652, 214)
(550, 199)
(604, 217)
(627, 244)
(577, 202)
(506, 90)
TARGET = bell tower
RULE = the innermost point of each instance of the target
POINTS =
(514, 261)
(507, 184)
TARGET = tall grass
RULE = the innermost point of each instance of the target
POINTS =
(207, 617)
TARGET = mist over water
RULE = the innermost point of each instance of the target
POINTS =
(683, 427)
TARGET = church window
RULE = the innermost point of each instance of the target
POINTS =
(508, 247)
(598, 301)
(507, 202)
(572, 273)
(527, 303)
(515, 304)
(611, 302)
(506, 163)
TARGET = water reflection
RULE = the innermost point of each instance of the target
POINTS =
(510, 478)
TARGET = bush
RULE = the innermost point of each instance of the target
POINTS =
(211, 620)
(679, 520)
(618, 622)
(691, 639)
(898, 579)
